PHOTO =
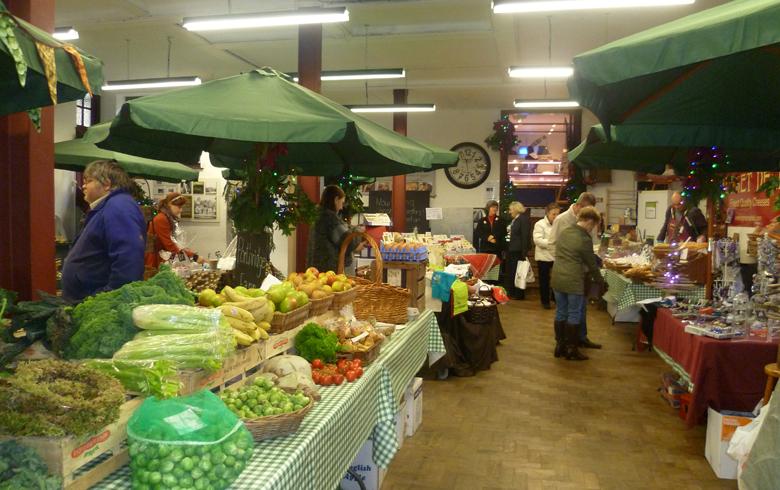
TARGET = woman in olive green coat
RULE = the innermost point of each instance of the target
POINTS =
(574, 258)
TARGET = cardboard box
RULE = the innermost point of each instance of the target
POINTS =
(281, 343)
(720, 428)
(414, 401)
(365, 467)
(400, 424)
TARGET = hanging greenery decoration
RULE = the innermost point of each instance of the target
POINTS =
(507, 196)
(351, 185)
(267, 197)
(706, 177)
(35, 118)
(503, 138)
(8, 38)
(770, 187)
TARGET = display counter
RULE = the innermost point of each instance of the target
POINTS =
(722, 374)
(318, 455)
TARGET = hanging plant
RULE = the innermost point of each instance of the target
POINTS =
(267, 197)
(770, 187)
(503, 138)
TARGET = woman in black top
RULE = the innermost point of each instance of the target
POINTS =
(329, 232)
(518, 248)
(491, 233)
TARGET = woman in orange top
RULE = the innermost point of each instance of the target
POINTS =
(163, 230)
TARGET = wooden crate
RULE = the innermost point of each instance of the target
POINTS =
(73, 458)
(412, 277)
(193, 380)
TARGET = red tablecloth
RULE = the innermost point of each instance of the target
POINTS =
(726, 374)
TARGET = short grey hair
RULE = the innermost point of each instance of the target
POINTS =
(109, 173)
(517, 206)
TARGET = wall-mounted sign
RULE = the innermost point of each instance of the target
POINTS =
(748, 207)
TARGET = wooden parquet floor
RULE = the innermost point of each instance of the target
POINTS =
(538, 423)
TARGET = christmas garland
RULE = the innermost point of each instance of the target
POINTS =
(705, 178)
(503, 138)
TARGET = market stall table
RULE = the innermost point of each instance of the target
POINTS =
(318, 455)
(722, 374)
(471, 347)
(624, 294)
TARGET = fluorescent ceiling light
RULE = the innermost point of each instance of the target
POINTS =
(546, 104)
(151, 83)
(393, 108)
(270, 19)
(528, 6)
(65, 33)
(541, 72)
(377, 74)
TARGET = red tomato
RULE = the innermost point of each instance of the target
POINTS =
(338, 379)
(359, 372)
(327, 380)
(317, 364)
(356, 363)
(342, 365)
(315, 376)
(351, 375)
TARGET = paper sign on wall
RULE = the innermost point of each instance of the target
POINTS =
(394, 277)
(433, 213)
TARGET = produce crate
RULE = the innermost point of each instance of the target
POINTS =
(282, 322)
(236, 367)
(367, 356)
(409, 275)
(82, 462)
(340, 300)
(320, 306)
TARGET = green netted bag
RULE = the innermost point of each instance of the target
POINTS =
(188, 442)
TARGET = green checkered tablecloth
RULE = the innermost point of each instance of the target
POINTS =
(318, 455)
(625, 293)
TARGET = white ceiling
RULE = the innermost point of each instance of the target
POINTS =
(455, 51)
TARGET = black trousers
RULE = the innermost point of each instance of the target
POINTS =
(512, 258)
(545, 269)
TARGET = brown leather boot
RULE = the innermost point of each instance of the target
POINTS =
(572, 341)
(559, 338)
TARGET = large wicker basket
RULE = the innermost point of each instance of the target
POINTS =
(277, 425)
(283, 322)
(320, 306)
(384, 302)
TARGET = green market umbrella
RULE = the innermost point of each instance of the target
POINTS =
(710, 78)
(24, 83)
(78, 153)
(229, 117)
(600, 151)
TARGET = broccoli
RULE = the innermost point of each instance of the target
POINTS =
(21, 467)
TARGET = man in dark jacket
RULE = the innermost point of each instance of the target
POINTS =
(109, 251)
(683, 222)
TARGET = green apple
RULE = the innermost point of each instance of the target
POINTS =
(288, 304)
(302, 297)
(337, 286)
(277, 293)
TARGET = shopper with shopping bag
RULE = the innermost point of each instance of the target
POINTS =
(519, 238)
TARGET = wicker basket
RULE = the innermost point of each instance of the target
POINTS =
(342, 299)
(277, 425)
(385, 303)
(481, 314)
(367, 357)
(283, 322)
(320, 306)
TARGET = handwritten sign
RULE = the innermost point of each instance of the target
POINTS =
(433, 213)
(416, 204)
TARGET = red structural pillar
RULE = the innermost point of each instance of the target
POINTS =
(27, 185)
(399, 181)
(309, 72)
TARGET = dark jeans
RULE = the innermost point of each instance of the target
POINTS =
(565, 306)
(544, 281)
(512, 258)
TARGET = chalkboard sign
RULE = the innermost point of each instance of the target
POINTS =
(416, 202)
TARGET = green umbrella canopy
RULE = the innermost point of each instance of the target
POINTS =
(18, 55)
(598, 151)
(229, 116)
(707, 79)
(76, 154)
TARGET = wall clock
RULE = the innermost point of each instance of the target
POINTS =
(473, 166)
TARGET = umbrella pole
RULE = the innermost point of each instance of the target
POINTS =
(710, 231)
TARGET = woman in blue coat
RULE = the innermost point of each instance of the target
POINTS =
(109, 251)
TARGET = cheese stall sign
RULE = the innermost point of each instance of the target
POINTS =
(747, 206)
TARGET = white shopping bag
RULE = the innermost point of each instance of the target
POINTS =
(524, 274)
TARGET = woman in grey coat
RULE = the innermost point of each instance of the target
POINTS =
(329, 232)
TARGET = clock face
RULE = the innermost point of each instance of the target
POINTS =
(473, 166)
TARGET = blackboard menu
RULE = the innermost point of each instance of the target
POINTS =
(416, 202)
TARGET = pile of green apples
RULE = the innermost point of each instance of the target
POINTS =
(286, 298)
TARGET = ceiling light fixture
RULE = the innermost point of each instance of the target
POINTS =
(65, 33)
(373, 74)
(393, 108)
(546, 104)
(529, 6)
(269, 19)
(147, 83)
(541, 72)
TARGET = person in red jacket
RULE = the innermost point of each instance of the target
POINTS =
(162, 233)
